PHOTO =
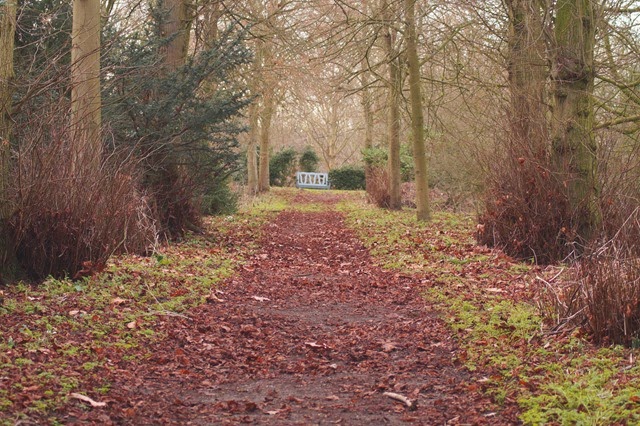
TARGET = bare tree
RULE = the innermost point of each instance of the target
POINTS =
(85, 84)
(573, 141)
(7, 34)
(395, 95)
(417, 117)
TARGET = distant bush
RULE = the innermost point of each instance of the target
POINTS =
(377, 157)
(347, 178)
(308, 160)
(219, 200)
(378, 187)
(282, 167)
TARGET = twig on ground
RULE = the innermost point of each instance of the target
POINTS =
(85, 398)
(411, 405)
(170, 314)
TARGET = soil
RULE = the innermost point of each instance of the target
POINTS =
(309, 331)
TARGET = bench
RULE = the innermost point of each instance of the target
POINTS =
(312, 180)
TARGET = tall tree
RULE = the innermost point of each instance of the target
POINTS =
(266, 117)
(527, 67)
(417, 117)
(367, 113)
(85, 84)
(395, 96)
(264, 54)
(7, 32)
(252, 145)
(573, 141)
(175, 27)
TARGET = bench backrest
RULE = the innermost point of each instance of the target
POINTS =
(312, 180)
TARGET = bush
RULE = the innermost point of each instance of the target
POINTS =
(603, 293)
(69, 220)
(377, 157)
(526, 212)
(347, 178)
(378, 187)
(308, 160)
(219, 200)
(282, 167)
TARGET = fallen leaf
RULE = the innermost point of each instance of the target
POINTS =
(118, 301)
(214, 298)
(87, 399)
(388, 346)
(131, 325)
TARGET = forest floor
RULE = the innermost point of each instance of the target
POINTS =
(311, 308)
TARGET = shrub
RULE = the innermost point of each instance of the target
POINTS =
(282, 167)
(347, 178)
(308, 160)
(219, 200)
(526, 212)
(603, 292)
(378, 187)
(68, 219)
(377, 157)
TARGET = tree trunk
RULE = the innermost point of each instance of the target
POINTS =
(268, 99)
(8, 268)
(175, 27)
(212, 13)
(266, 114)
(252, 158)
(417, 118)
(573, 142)
(395, 88)
(85, 85)
(527, 77)
(367, 112)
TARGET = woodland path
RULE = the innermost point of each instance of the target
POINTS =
(309, 331)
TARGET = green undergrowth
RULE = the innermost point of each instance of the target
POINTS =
(61, 336)
(486, 299)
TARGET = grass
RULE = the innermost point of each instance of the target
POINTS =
(555, 379)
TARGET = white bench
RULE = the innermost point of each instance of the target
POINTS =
(312, 180)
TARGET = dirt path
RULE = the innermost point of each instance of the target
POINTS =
(309, 332)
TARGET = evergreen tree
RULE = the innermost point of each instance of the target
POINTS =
(183, 130)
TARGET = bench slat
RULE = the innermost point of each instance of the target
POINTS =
(312, 180)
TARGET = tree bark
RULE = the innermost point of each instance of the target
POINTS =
(252, 155)
(527, 77)
(85, 85)
(573, 142)
(395, 88)
(176, 27)
(417, 117)
(268, 99)
(367, 112)
(8, 263)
